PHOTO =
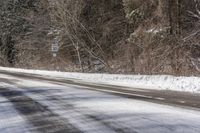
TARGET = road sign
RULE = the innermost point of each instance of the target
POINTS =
(55, 47)
(54, 54)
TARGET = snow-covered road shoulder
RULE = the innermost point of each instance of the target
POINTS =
(158, 82)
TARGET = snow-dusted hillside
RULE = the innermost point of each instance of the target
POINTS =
(159, 82)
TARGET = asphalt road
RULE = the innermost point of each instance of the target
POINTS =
(30, 103)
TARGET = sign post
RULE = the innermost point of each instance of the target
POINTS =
(55, 48)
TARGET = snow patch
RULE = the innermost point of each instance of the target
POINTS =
(158, 82)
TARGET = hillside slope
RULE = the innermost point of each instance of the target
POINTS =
(116, 36)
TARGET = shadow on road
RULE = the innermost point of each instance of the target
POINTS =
(38, 115)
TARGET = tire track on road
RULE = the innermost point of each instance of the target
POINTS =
(38, 115)
(166, 97)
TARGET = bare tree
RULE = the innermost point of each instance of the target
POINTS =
(65, 15)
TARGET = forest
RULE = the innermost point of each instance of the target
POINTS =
(102, 36)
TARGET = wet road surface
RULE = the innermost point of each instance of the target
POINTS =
(45, 106)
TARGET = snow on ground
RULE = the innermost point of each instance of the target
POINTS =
(98, 112)
(159, 82)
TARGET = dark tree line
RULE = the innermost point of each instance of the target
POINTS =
(22, 26)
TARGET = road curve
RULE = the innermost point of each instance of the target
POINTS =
(35, 104)
(173, 98)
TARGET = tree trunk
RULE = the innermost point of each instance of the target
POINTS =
(170, 17)
(79, 59)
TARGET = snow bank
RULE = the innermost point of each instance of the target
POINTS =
(159, 82)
